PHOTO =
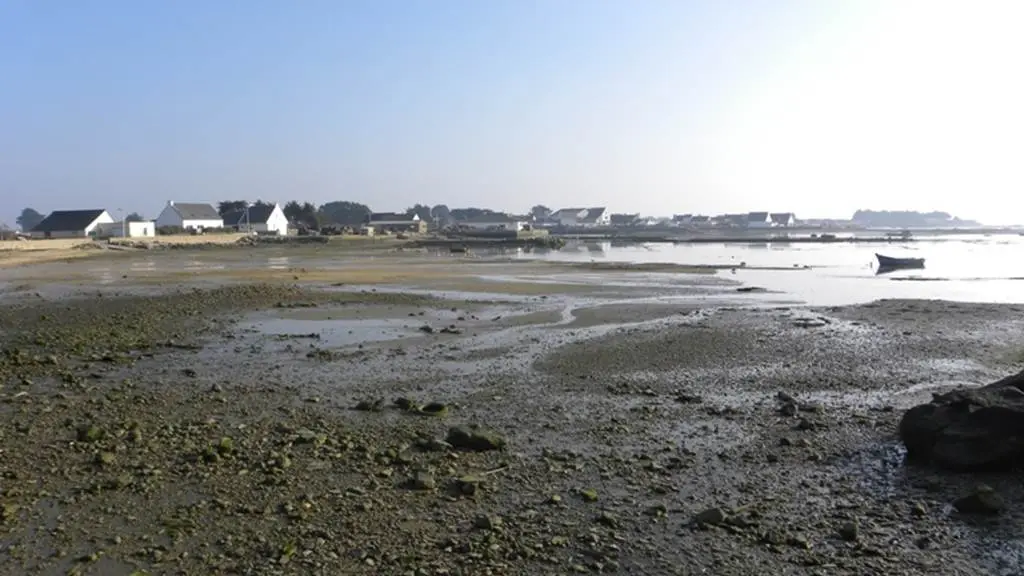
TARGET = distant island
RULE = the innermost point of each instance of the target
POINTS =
(909, 219)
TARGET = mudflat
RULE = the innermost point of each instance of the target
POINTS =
(408, 414)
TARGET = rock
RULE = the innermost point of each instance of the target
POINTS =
(90, 433)
(474, 438)
(849, 531)
(687, 398)
(979, 429)
(607, 519)
(406, 404)
(487, 522)
(422, 480)
(711, 517)
(984, 500)
(434, 409)
(588, 495)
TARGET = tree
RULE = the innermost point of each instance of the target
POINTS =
(344, 213)
(134, 217)
(440, 212)
(29, 219)
(540, 212)
(469, 213)
(421, 210)
(228, 206)
(304, 214)
(441, 215)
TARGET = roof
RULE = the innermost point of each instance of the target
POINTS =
(567, 212)
(682, 217)
(258, 214)
(624, 218)
(68, 220)
(592, 214)
(701, 219)
(757, 217)
(779, 216)
(192, 211)
(392, 217)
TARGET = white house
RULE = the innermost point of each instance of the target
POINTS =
(137, 229)
(189, 216)
(72, 223)
(260, 218)
(582, 217)
(397, 223)
(783, 219)
(495, 222)
(759, 220)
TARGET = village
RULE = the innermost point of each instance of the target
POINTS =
(270, 219)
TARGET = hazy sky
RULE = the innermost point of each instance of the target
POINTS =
(652, 106)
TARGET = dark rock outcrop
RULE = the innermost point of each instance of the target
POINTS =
(980, 429)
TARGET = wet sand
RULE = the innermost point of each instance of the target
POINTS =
(170, 427)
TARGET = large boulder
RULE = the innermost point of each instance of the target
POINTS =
(969, 429)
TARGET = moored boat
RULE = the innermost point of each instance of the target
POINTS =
(889, 262)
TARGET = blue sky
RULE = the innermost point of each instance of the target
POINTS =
(656, 106)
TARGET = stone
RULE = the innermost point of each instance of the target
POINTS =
(474, 438)
(434, 409)
(849, 531)
(711, 517)
(90, 434)
(422, 480)
(487, 522)
(980, 429)
(984, 500)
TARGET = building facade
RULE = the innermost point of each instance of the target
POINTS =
(189, 216)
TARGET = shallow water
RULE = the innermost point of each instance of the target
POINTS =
(963, 268)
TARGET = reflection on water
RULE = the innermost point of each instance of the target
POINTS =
(279, 263)
(964, 268)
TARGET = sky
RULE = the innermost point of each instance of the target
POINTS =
(819, 107)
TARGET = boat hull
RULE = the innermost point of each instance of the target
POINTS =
(889, 262)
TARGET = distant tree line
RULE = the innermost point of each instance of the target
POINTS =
(907, 219)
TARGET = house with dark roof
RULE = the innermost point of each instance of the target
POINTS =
(582, 217)
(395, 223)
(189, 216)
(72, 223)
(260, 218)
(625, 220)
(759, 220)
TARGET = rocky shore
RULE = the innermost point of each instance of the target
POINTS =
(179, 433)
